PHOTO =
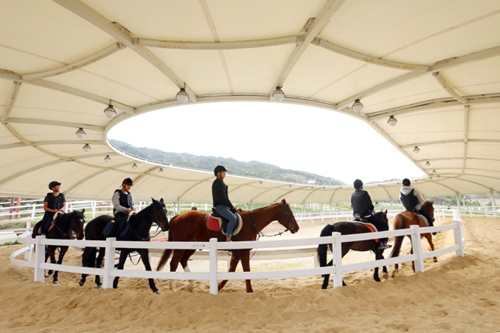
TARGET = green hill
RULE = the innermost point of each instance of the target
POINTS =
(207, 163)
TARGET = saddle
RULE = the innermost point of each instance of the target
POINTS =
(361, 219)
(111, 227)
(215, 222)
(421, 217)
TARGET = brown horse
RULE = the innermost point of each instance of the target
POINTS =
(191, 226)
(139, 230)
(65, 226)
(403, 221)
(350, 228)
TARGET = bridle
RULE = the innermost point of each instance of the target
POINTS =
(158, 227)
(284, 211)
(67, 233)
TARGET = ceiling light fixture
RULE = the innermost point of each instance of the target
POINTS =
(107, 159)
(86, 148)
(278, 94)
(110, 111)
(427, 163)
(433, 171)
(416, 150)
(357, 105)
(160, 171)
(392, 121)
(80, 133)
(182, 96)
(134, 166)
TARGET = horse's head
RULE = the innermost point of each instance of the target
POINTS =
(76, 223)
(286, 218)
(159, 214)
(382, 215)
(429, 207)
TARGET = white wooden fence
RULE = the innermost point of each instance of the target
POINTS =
(109, 272)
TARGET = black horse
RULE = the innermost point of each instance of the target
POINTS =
(65, 226)
(139, 230)
(350, 228)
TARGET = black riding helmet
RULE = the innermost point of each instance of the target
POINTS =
(218, 169)
(53, 183)
(358, 183)
(406, 182)
(128, 181)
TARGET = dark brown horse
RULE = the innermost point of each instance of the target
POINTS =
(403, 221)
(139, 230)
(350, 228)
(191, 226)
(65, 226)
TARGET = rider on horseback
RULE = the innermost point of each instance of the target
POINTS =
(123, 204)
(412, 201)
(362, 205)
(222, 204)
(54, 202)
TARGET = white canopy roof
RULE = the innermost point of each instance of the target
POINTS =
(434, 65)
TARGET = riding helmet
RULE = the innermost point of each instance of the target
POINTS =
(53, 183)
(128, 181)
(406, 182)
(218, 169)
(358, 183)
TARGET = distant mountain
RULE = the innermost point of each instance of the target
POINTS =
(207, 163)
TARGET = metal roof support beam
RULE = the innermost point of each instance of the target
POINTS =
(12, 100)
(368, 59)
(77, 65)
(123, 36)
(54, 123)
(247, 44)
(320, 21)
(466, 135)
(449, 89)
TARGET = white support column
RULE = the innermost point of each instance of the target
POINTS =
(337, 260)
(416, 243)
(214, 289)
(109, 263)
(493, 204)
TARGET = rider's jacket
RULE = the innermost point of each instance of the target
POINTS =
(361, 203)
(220, 193)
(409, 201)
(53, 202)
(121, 201)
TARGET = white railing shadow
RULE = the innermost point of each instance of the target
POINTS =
(213, 247)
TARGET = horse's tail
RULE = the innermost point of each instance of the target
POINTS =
(322, 248)
(164, 258)
(398, 223)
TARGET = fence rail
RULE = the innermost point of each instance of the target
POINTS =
(213, 247)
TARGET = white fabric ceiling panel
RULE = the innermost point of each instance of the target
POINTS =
(434, 65)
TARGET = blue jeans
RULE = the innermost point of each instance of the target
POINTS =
(226, 212)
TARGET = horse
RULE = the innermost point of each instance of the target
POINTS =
(64, 226)
(403, 221)
(139, 230)
(350, 228)
(191, 226)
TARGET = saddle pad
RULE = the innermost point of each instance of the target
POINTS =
(214, 224)
(372, 228)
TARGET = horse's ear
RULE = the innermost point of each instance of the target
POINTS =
(161, 200)
(153, 200)
(385, 212)
(432, 202)
(83, 211)
(283, 201)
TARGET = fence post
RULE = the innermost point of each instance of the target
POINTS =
(214, 288)
(416, 244)
(337, 260)
(109, 263)
(39, 259)
(459, 238)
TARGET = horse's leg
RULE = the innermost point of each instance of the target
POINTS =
(123, 257)
(50, 253)
(245, 262)
(326, 277)
(145, 259)
(174, 263)
(431, 244)
(378, 256)
(235, 258)
(98, 263)
(85, 263)
(64, 249)
(184, 263)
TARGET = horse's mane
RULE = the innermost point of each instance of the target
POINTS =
(257, 210)
(142, 214)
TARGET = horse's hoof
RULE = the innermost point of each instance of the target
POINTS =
(435, 260)
(157, 292)
(99, 286)
(55, 282)
(81, 283)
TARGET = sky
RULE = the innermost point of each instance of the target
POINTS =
(296, 137)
